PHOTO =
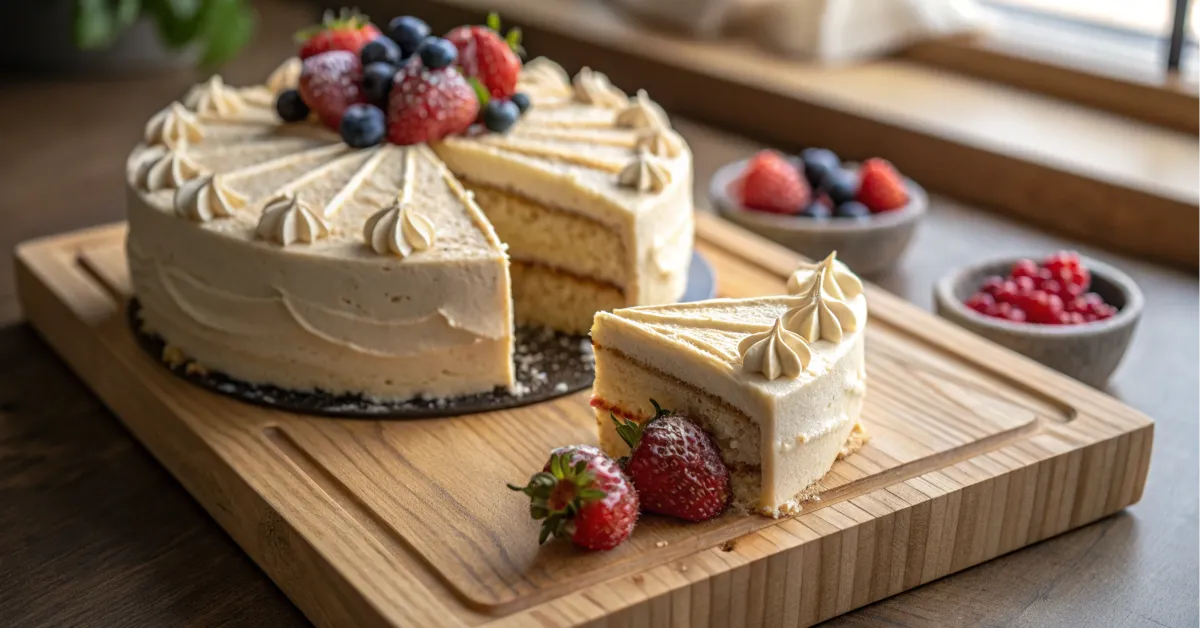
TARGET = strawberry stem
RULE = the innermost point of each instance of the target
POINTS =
(546, 490)
(629, 431)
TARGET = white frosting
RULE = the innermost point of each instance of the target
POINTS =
(660, 142)
(399, 230)
(166, 169)
(285, 219)
(642, 113)
(775, 353)
(594, 88)
(205, 198)
(214, 98)
(173, 126)
(545, 74)
(645, 173)
(286, 76)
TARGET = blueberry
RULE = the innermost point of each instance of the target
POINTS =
(291, 107)
(363, 125)
(840, 185)
(521, 100)
(499, 115)
(851, 209)
(437, 53)
(377, 81)
(380, 50)
(818, 163)
(408, 32)
(815, 209)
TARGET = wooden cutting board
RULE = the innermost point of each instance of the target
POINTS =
(975, 452)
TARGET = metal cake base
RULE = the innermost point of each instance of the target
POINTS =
(547, 364)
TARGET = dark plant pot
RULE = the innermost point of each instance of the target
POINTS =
(43, 44)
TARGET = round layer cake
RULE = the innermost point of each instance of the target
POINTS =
(277, 254)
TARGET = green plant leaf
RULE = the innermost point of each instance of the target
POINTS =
(227, 27)
(493, 21)
(95, 24)
(481, 92)
(184, 9)
(175, 29)
(126, 12)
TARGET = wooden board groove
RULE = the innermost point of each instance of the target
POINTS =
(976, 452)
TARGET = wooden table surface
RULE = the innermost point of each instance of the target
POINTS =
(93, 532)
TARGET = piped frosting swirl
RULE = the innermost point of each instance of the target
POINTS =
(286, 220)
(823, 289)
(173, 126)
(205, 198)
(661, 142)
(166, 169)
(642, 113)
(214, 98)
(286, 76)
(835, 277)
(543, 73)
(399, 230)
(645, 173)
(775, 353)
(594, 88)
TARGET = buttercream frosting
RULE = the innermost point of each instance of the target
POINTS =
(214, 98)
(166, 169)
(642, 113)
(823, 289)
(594, 88)
(775, 353)
(645, 173)
(173, 126)
(836, 278)
(544, 73)
(205, 198)
(286, 76)
(661, 142)
(399, 230)
(286, 220)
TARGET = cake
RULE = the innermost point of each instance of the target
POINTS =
(277, 254)
(777, 381)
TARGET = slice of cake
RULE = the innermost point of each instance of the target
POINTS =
(777, 381)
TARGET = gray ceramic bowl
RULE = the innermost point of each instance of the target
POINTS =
(1089, 352)
(867, 246)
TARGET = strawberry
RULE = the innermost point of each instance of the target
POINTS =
(330, 82)
(770, 183)
(427, 105)
(348, 31)
(880, 187)
(489, 58)
(582, 494)
(675, 467)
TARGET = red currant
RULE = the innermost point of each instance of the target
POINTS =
(1024, 268)
(1053, 286)
(1066, 267)
(992, 285)
(1104, 311)
(1025, 285)
(1044, 308)
(981, 302)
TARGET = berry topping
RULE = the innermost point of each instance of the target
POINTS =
(484, 55)
(1052, 293)
(290, 106)
(427, 105)
(330, 82)
(377, 82)
(770, 183)
(815, 209)
(348, 31)
(840, 185)
(380, 50)
(818, 163)
(499, 115)
(437, 53)
(363, 126)
(880, 187)
(675, 467)
(408, 32)
(851, 209)
(583, 495)
(521, 100)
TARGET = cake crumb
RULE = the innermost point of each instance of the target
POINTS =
(195, 368)
(683, 568)
(661, 544)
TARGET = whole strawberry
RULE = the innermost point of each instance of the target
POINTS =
(675, 467)
(880, 187)
(486, 56)
(329, 83)
(770, 183)
(349, 31)
(427, 105)
(583, 495)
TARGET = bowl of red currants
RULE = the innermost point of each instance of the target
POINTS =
(1073, 314)
(814, 203)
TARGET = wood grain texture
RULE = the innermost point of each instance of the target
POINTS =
(977, 452)
(1108, 180)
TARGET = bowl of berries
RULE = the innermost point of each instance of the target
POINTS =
(815, 204)
(1073, 314)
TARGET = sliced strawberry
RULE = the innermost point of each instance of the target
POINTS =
(427, 105)
(485, 55)
(348, 31)
(770, 183)
(675, 467)
(880, 187)
(582, 494)
(330, 82)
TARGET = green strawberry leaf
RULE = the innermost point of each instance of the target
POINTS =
(481, 92)
(493, 21)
